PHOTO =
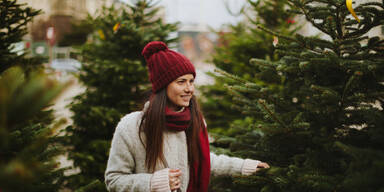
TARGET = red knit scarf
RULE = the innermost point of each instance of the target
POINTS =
(199, 171)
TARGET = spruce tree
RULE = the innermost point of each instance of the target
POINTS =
(239, 43)
(28, 144)
(116, 80)
(14, 18)
(321, 125)
(236, 47)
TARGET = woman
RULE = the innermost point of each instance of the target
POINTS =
(165, 147)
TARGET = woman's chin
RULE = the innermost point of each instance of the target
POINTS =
(184, 104)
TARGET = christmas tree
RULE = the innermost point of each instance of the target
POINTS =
(237, 45)
(115, 75)
(28, 144)
(14, 18)
(320, 125)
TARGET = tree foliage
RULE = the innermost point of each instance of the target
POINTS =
(236, 46)
(14, 18)
(320, 125)
(28, 142)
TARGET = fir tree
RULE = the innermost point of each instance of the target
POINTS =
(14, 18)
(115, 75)
(237, 45)
(28, 144)
(321, 125)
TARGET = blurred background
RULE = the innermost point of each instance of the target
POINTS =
(52, 33)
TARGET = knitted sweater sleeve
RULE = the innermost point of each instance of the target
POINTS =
(225, 165)
(119, 175)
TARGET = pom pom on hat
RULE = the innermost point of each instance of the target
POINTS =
(165, 65)
(153, 47)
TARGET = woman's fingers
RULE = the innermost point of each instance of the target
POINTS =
(262, 165)
(175, 187)
(175, 184)
(174, 172)
(178, 186)
(174, 180)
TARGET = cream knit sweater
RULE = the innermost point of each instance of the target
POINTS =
(126, 170)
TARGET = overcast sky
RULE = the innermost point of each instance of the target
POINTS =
(199, 12)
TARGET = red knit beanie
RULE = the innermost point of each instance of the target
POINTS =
(165, 65)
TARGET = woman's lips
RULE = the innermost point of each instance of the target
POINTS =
(186, 97)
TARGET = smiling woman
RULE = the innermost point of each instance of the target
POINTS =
(165, 147)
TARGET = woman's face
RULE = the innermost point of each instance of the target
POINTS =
(180, 91)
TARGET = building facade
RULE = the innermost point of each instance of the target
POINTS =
(60, 14)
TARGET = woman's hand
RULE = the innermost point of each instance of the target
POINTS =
(262, 165)
(174, 179)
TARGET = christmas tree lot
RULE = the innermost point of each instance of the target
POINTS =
(316, 115)
(29, 144)
(115, 76)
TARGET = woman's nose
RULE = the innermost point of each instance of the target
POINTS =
(189, 87)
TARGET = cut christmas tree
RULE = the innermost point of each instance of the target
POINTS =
(236, 45)
(321, 125)
(28, 142)
(14, 18)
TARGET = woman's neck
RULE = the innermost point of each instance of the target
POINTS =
(175, 108)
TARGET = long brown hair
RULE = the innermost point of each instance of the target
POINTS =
(153, 126)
